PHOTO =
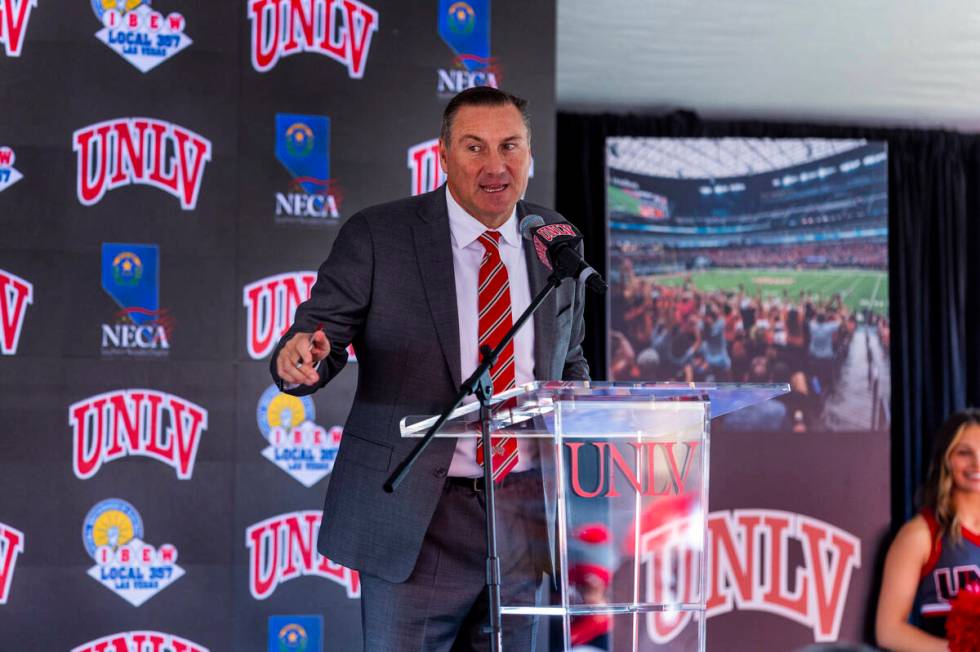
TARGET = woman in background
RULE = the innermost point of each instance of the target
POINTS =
(937, 553)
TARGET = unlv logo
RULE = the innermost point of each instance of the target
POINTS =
(270, 305)
(283, 547)
(14, 15)
(11, 545)
(15, 295)
(145, 151)
(143, 422)
(749, 568)
(423, 163)
(339, 29)
(140, 642)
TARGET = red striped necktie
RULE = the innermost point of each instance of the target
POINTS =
(495, 320)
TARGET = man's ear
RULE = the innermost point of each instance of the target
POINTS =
(442, 154)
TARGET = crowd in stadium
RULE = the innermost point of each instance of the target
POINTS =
(664, 333)
(864, 254)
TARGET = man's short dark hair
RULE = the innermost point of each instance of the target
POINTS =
(481, 96)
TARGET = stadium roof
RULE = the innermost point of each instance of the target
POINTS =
(705, 158)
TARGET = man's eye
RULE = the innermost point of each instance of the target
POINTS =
(474, 148)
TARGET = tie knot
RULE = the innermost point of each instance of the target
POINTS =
(490, 240)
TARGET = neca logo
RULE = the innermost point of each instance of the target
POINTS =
(144, 151)
(109, 426)
(339, 29)
(283, 548)
(14, 15)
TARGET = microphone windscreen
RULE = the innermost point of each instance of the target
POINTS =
(528, 224)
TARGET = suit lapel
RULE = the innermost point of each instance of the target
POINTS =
(545, 318)
(433, 249)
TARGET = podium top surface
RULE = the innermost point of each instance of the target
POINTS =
(521, 403)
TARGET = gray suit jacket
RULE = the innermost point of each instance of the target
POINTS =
(388, 287)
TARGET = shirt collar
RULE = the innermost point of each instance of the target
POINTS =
(465, 228)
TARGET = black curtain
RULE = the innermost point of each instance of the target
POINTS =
(934, 199)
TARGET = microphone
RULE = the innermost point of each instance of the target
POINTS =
(555, 245)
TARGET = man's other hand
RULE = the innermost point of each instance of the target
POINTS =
(299, 357)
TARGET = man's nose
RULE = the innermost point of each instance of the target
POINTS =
(495, 163)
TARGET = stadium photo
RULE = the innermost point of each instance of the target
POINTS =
(754, 260)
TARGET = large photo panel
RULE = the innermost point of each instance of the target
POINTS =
(754, 260)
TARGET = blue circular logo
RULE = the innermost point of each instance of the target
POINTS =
(461, 18)
(112, 522)
(278, 410)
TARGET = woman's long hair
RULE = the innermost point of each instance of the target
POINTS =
(937, 493)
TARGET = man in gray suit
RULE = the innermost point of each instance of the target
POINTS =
(401, 285)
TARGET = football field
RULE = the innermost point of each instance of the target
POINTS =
(859, 288)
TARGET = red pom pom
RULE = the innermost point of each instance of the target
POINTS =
(963, 622)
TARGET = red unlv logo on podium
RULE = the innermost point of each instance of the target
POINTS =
(750, 568)
(15, 295)
(283, 548)
(14, 15)
(11, 545)
(270, 305)
(140, 641)
(143, 151)
(107, 427)
(339, 29)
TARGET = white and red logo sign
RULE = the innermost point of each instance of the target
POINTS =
(140, 35)
(749, 568)
(283, 548)
(14, 15)
(141, 641)
(144, 151)
(297, 444)
(124, 563)
(338, 29)
(9, 175)
(11, 546)
(127, 422)
(426, 170)
(15, 295)
(270, 305)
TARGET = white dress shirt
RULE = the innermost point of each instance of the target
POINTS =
(467, 254)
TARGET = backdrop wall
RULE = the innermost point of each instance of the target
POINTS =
(169, 176)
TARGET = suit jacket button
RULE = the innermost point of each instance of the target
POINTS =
(440, 472)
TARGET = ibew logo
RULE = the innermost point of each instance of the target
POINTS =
(131, 276)
(139, 151)
(465, 27)
(126, 565)
(141, 641)
(8, 173)
(283, 547)
(303, 148)
(270, 305)
(11, 547)
(14, 15)
(750, 568)
(338, 29)
(425, 168)
(297, 445)
(137, 33)
(127, 422)
(15, 295)
(295, 634)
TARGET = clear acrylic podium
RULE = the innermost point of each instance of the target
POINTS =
(622, 509)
